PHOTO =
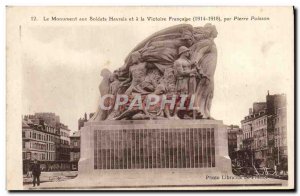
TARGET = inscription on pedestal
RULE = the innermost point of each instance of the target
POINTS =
(154, 148)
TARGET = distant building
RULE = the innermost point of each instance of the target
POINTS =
(38, 142)
(48, 117)
(232, 131)
(254, 128)
(63, 148)
(91, 115)
(264, 133)
(81, 121)
(46, 139)
(239, 140)
(277, 139)
(75, 150)
(75, 142)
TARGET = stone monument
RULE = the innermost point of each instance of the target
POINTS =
(153, 118)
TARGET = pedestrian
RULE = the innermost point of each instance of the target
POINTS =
(36, 172)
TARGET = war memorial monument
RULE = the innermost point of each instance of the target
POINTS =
(153, 120)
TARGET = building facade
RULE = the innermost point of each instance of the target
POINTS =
(278, 137)
(75, 150)
(264, 134)
(38, 142)
(232, 133)
(63, 148)
(42, 135)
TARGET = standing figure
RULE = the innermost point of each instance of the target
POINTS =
(185, 74)
(36, 172)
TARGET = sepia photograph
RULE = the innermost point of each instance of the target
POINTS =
(150, 98)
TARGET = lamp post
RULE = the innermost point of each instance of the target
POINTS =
(278, 154)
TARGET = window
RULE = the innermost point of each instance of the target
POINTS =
(76, 155)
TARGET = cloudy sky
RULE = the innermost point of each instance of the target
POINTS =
(61, 64)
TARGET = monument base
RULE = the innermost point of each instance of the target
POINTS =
(183, 180)
(161, 152)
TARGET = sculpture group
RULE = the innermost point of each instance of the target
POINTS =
(179, 60)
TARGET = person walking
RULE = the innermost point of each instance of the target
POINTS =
(36, 172)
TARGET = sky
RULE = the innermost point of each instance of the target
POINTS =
(61, 65)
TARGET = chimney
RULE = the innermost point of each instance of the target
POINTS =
(250, 111)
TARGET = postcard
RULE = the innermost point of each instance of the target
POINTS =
(145, 98)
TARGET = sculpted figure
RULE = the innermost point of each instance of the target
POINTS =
(114, 83)
(104, 88)
(137, 74)
(177, 60)
(185, 74)
(151, 80)
(170, 33)
(205, 54)
(167, 86)
(163, 53)
(161, 49)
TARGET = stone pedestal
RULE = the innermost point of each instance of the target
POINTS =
(145, 151)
